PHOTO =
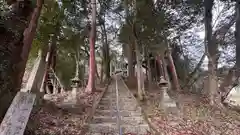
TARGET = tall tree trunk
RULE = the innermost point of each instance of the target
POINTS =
(142, 71)
(230, 78)
(211, 50)
(228, 81)
(234, 73)
(54, 58)
(106, 53)
(84, 71)
(15, 42)
(166, 76)
(29, 34)
(77, 66)
(149, 72)
(193, 74)
(130, 49)
(101, 72)
(49, 59)
(141, 92)
(92, 63)
(161, 72)
(173, 71)
(139, 74)
(155, 70)
(105, 50)
(131, 69)
(97, 74)
(238, 38)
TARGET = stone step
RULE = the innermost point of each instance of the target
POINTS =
(111, 129)
(120, 92)
(132, 100)
(101, 129)
(121, 107)
(103, 119)
(139, 130)
(169, 104)
(99, 112)
(113, 103)
(125, 92)
(111, 113)
(108, 103)
(134, 121)
(105, 107)
(101, 134)
(119, 96)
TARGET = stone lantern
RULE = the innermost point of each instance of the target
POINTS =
(75, 82)
(75, 86)
(162, 82)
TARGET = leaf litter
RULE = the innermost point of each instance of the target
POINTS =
(61, 115)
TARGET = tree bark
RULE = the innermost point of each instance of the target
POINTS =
(139, 74)
(106, 54)
(227, 82)
(29, 34)
(130, 49)
(211, 51)
(218, 37)
(92, 63)
(165, 71)
(161, 71)
(101, 72)
(16, 37)
(237, 36)
(131, 69)
(49, 59)
(105, 50)
(192, 75)
(173, 71)
(234, 73)
(142, 71)
(97, 75)
(149, 73)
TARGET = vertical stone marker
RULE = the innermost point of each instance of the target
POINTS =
(16, 118)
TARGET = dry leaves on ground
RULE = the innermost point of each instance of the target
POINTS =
(197, 120)
(194, 117)
(59, 118)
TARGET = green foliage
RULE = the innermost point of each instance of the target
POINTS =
(66, 20)
(155, 23)
(65, 73)
(151, 27)
(3, 7)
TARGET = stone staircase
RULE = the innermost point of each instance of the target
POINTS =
(104, 121)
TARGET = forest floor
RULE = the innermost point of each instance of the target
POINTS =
(194, 117)
(61, 115)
